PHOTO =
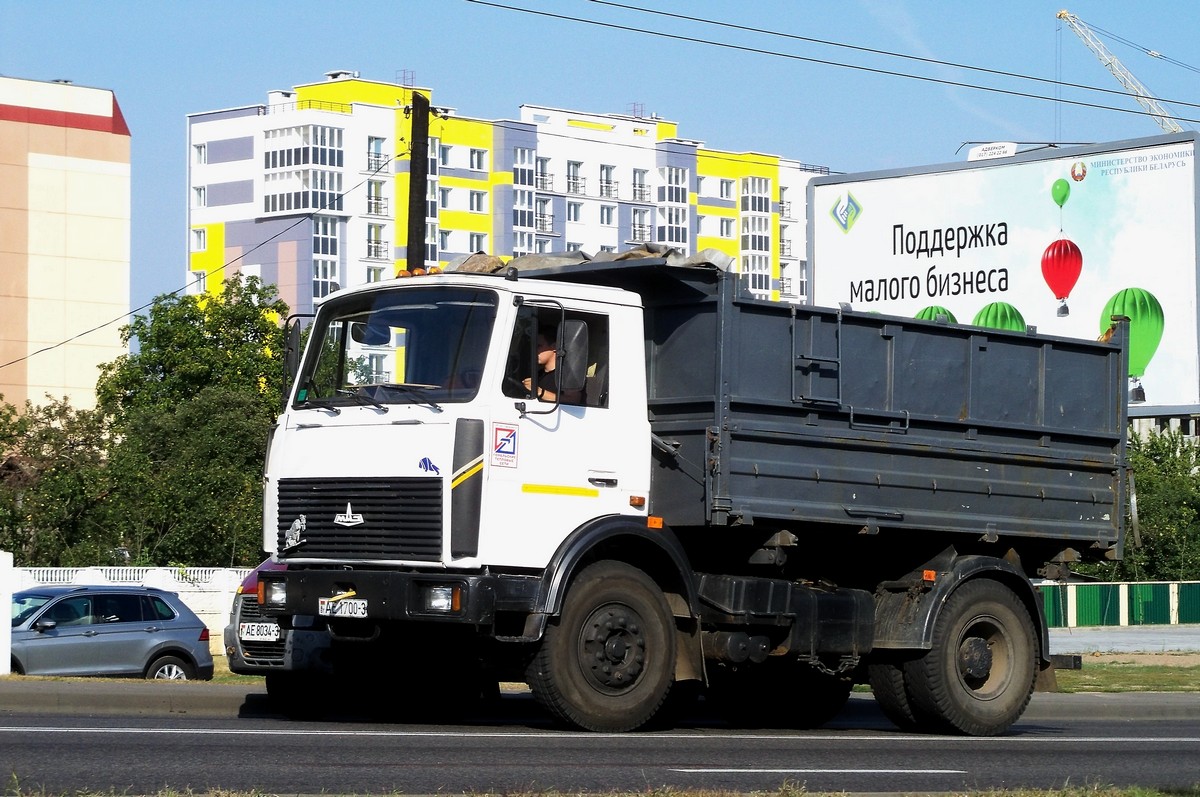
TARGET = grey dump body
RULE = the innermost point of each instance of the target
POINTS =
(808, 418)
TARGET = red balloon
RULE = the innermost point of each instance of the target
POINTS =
(1061, 263)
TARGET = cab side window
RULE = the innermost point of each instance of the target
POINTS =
(70, 612)
(529, 369)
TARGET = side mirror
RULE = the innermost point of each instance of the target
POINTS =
(573, 364)
(42, 626)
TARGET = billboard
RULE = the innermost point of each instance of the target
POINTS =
(1058, 239)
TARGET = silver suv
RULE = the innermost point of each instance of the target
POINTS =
(138, 632)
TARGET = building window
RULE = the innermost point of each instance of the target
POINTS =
(606, 248)
(522, 243)
(324, 277)
(608, 182)
(522, 166)
(575, 182)
(374, 273)
(444, 198)
(199, 240)
(727, 189)
(523, 208)
(574, 246)
(325, 235)
(444, 154)
(200, 153)
(478, 242)
(574, 211)
(608, 215)
(377, 247)
(479, 160)
(376, 204)
(543, 246)
(726, 228)
(544, 179)
(444, 240)
(641, 225)
(200, 196)
(641, 188)
(376, 157)
(200, 281)
(478, 202)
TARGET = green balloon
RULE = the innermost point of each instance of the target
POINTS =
(1146, 323)
(931, 313)
(1060, 191)
(1000, 315)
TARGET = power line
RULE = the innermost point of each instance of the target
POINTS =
(821, 61)
(874, 51)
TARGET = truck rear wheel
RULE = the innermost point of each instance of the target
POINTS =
(979, 675)
(607, 663)
(891, 693)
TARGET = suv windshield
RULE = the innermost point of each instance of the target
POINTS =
(25, 604)
(407, 346)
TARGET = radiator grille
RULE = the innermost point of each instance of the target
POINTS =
(401, 517)
(260, 653)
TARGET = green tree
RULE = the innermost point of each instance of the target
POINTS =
(54, 486)
(1166, 468)
(191, 410)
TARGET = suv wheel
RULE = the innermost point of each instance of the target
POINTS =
(170, 668)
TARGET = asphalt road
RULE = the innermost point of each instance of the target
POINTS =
(138, 738)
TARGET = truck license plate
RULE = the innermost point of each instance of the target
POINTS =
(346, 607)
(259, 632)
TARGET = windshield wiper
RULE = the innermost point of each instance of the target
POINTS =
(363, 398)
(319, 404)
(414, 390)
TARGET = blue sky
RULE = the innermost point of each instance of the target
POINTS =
(731, 88)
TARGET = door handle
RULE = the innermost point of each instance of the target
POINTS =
(91, 633)
(603, 481)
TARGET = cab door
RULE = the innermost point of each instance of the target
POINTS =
(558, 462)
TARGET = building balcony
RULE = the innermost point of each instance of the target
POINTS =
(544, 181)
(641, 192)
(544, 222)
(376, 161)
(608, 188)
(378, 250)
(377, 206)
(785, 248)
(576, 185)
(640, 233)
(785, 210)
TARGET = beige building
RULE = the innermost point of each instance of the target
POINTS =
(64, 238)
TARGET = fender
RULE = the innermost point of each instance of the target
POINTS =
(905, 619)
(625, 539)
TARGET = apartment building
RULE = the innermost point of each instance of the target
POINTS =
(64, 238)
(310, 190)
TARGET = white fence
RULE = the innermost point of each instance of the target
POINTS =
(208, 591)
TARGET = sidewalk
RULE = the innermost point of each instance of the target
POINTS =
(1126, 639)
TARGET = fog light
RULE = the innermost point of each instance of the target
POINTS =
(442, 599)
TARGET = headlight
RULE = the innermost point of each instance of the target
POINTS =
(441, 598)
(272, 593)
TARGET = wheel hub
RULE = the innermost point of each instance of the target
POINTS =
(614, 647)
(975, 659)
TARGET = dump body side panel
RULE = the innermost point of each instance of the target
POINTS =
(806, 415)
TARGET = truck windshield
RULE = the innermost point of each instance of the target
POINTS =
(407, 346)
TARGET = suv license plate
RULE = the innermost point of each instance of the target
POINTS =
(346, 607)
(259, 632)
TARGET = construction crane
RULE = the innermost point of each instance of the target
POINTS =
(1123, 75)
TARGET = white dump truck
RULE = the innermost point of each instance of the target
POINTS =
(698, 488)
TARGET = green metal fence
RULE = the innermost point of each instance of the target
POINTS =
(1141, 603)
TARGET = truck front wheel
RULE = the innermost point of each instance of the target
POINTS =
(607, 663)
(979, 675)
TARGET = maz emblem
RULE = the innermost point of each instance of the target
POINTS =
(348, 518)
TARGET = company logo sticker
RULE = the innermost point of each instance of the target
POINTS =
(426, 464)
(504, 445)
(846, 211)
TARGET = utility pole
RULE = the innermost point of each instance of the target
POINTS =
(418, 180)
